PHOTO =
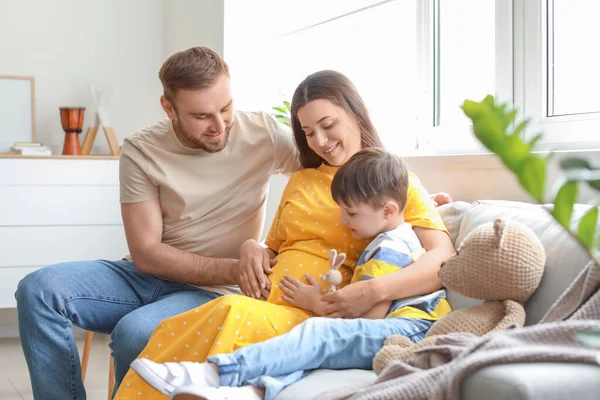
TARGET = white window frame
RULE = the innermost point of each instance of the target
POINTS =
(561, 132)
(463, 141)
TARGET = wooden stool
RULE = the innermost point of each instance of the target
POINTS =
(84, 363)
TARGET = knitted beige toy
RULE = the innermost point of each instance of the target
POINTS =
(333, 277)
(499, 262)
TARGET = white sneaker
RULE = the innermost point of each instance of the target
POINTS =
(169, 376)
(221, 393)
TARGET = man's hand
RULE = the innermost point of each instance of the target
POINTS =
(254, 265)
(306, 297)
(441, 198)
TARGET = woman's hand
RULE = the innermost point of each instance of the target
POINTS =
(254, 266)
(352, 301)
(441, 198)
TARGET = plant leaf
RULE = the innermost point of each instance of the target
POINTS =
(595, 184)
(534, 141)
(280, 109)
(563, 203)
(283, 119)
(592, 177)
(574, 163)
(587, 227)
(532, 176)
(517, 152)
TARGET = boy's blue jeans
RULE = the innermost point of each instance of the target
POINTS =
(315, 343)
(109, 297)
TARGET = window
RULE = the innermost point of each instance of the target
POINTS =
(466, 37)
(376, 48)
(556, 72)
(467, 60)
(416, 61)
(573, 77)
(254, 33)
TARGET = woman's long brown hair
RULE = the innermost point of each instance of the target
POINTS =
(337, 88)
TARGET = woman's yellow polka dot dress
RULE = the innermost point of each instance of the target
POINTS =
(305, 228)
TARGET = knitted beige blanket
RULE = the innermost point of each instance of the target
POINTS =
(436, 372)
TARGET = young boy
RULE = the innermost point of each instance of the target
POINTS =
(371, 189)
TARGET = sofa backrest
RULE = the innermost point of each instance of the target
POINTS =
(564, 256)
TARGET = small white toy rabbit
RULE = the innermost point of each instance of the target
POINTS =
(333, 277)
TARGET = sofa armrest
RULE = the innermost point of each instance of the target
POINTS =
(547, 381)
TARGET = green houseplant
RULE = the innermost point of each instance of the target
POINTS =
(496, 127)
(282, 113)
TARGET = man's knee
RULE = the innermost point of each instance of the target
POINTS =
(129, 337)
(35, 286)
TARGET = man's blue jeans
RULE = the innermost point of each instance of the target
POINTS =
(109, 297)
(315, 343)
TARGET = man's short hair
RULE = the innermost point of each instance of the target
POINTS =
(372, 176)
(194, 68)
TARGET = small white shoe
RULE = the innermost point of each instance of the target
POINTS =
(221, 393)
(167, 377)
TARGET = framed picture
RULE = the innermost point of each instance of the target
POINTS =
(17, 110)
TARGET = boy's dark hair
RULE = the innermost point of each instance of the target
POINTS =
(371, 176)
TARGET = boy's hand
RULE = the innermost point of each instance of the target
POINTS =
(307, 297)
(441, 198)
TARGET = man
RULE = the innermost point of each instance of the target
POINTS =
(193, 189)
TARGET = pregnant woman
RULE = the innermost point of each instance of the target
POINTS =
(331, 124)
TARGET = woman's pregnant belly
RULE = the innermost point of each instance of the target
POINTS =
(297, 264)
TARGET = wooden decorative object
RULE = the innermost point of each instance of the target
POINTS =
(100, 118)
(71, 119)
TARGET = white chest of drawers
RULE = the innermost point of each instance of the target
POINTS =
(55, 210)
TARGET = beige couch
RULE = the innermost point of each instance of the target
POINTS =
(525, 381)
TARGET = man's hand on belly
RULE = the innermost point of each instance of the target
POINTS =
(254, 265)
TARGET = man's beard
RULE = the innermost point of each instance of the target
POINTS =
(209, 147)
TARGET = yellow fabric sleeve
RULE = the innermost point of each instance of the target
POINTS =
(420, 210)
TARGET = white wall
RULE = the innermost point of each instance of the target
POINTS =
(194, 23)
(69, 44)
(481, 177)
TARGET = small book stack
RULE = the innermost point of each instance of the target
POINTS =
(30, 149)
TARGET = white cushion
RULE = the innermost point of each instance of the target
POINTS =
(452, 215)
(323, 380)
